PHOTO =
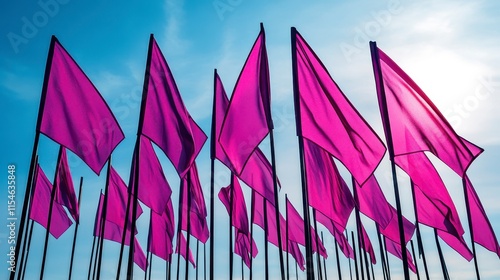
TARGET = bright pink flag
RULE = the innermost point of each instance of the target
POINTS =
(412, 115)
(330, 120)
(258, 173)
(336, 231)
(117, 201)
(483, 231)
(239, 209)
(294, 250)
(166, 120)
(40, 203)
(327, 191)
(248, 116)
(372, 202)
(395, 249)
(74, 113)
(242, 247)
(457, 243)
(259, 219)
(392, 230)
(154, 190)
(367, 245)
(160, 238)
(65, 192)
(182, 245)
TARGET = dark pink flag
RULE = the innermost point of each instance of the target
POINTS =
(294, 250)
(367, 245)
(336, 231)
(74, 113)
(412, 115)
(239, 209)
(154, 190)
(372, 202)
(330, 120)
(395, 249)
(40, 203)
(242, 247)
(258, 173)
(160, 242)
(181, 243)
(483, 231)
(457, 243)
(65, 192)
(248, 117)
(166, 120)
(327, 191)
(117, 201)
(259, 219)
(392, 230)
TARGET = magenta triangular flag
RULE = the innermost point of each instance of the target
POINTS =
(65, 192)
(367, 244)
(242, 247)
(239, 209)
(457, 243)
(392, 229)
(395, 249)
(117, 201)
(372, 202)
(294, 250)
(74, 113)
(160, 242)
(336, 230)
(181, 247)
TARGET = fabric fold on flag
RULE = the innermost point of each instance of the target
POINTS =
(248, 117)
(372, 202)
(239, 209)
(40, 206)
(413, 117)
(242, 247)
(395, 249)
(457, 243)
(65, 192)
(336, 231)
(162, 233)
(182, 245)
(392, 230)
(329, 119)
(75, 114)
(294, 250)
(117, 201)
(367, 244)
(166, 120)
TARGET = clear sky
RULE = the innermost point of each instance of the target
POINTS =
(450, 48)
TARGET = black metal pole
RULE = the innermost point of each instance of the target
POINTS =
(231, 205)
(324, 260)
(414, 257)
(444, 269)
(339, 271)
(318, 258)
(471, 228)
(266, 247)
(76, 231)
(355, 257)
(27, 252)
(382, 255)
(417, 227)
(287, 241)
(103, 220)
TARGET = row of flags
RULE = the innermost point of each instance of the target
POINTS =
(74, 114)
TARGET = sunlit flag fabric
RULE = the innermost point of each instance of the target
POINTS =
(154, 190)
(74, 113)
(294, 250)
(239, 209)
(160, 243)
(272, 226)
(65, 192)
(166, 120)
(483, 231)
(117, 201)
(367, 244)
(412, 115)
(327, 191)
(457, 243)
(336, 231)
(329, 119)
(248, 117)
(242, 246)
(395, 249)
(181, 243)
(392, 229)
(258, 173)
(372, 202)
(40, 203)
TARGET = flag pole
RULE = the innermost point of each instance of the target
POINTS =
(94, 241)
(361, 243)
(212, 182)
(419, 236)
(188, 214)
(231, 203)
(382, 256)
(446, 276)
(414, 257)
(367, 264)
(305, 199)
(96, 257)
(387, 260)
(390, 149)
(91, 257)
(148, 265)
(252, 214)
(355, 257)
(338, 260)
(49, 222)
(471, 228)
(349, 259)
(27, 252)
(318, 257)
(179, 226)
(287, 238)
(266, 247)
(242, 270)
(197, 266)
(103, 220)
(124, 234)
(76, 231)
(324, 260)
(204, 261)
(29, 182)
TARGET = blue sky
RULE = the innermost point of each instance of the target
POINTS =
(450, 48)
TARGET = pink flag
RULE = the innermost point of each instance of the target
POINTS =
(154, 190)
(372, 202)
(412, 115)
(392, 230)
(294, 250)
(395, 249)
(481, 226)
(329, 119)
(40, 203)
(367, 245)
(239, 209)
(457, 243)
(242, 247)
(182, 245)
(248, 117)
(74, 113)
(117, 201)
(259, 219)
(65, 192)
(336, 231)
(166, 120)
(161, 237)
(258, 173)
(328, 193)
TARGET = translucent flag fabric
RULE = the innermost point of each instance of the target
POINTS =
(372, 202)
(392, 229)
(329, 119)
(259, 219)
(239, 209)
(40, 203)
(395, 249)
(65, 192)
(457, 243)
(294, 250)
(367, 245)
(336, 231)
(166, 120)
(412, 115)
(248, 117)
(181, 249)
(242, 247)
(154, 190)
(161, 237)
(74, 113)
(327, 191)
(117, 201)
(483, 231)
(258, 173)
